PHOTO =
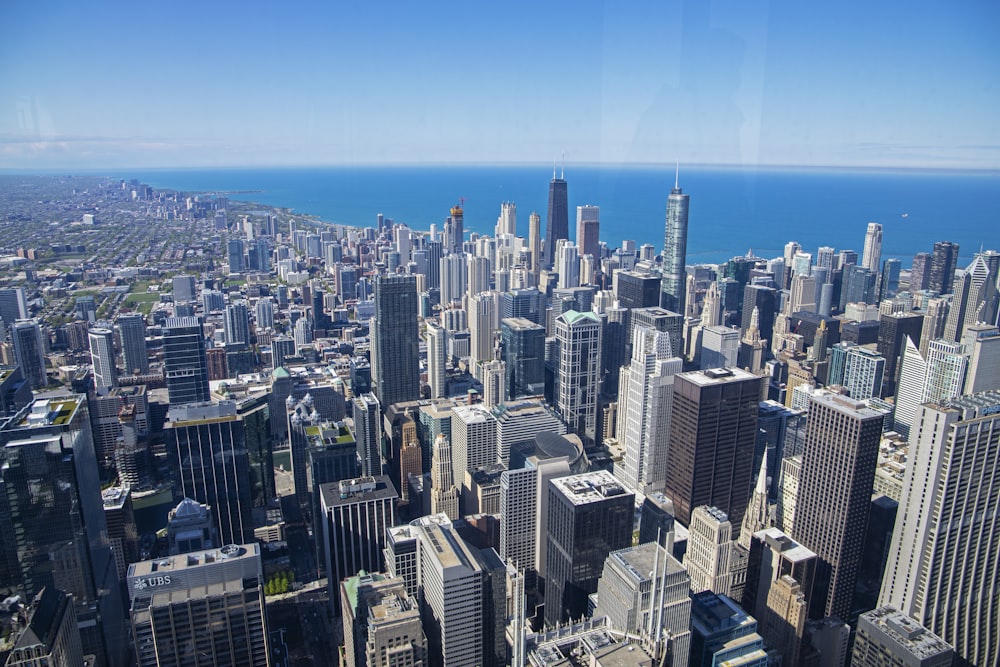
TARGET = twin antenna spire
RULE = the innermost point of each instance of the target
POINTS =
(562, 172)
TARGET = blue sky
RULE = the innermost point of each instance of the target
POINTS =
(115, 84)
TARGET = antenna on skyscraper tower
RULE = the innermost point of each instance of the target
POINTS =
(677, 173)
(562, 170)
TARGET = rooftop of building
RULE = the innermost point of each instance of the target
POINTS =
(55, 411)
(712, 613)
(790, 550)
(206, 412)
(195, 559)
(642, 560)
(915, 638)
(452, 551)
(572, 317)
(520, 323)
(590, 487)
(716, 376)
(360, 489)
(115, 496)
(845, 405)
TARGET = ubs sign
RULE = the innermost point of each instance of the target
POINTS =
(142, 583)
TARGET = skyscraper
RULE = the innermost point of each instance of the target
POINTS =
(644, 591)
(102, 357)
(437, 344)
(920, 272)
(365, 411)
(588, 232)
(942, 568)
(524, 355)
(589, 516)
(675, 251)
(871, 258)
(944, 260)
(975, 299)
(357, 513)
(444, 492)
(237, 323)
(205, 607)
(557, 221)
(892, 332)
(208, 453)
(185, 366)
(132, 330)
(646, 391)
(535, 243)
(578, 378)
(713, 427)
(29, 350)
(835, 489)
(395, 340)
(381, 623)
(53, 532)
(458, 604)
(13, 305)
(887, 636)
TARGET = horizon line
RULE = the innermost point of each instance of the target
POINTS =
(68, 170)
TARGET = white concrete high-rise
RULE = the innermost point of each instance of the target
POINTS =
(578, 372)
(568, 265)
(437, 345)
(709, 551)
(982, 343)
(938, 375)
(646, 387)
(102, 356)
(507, 222)
(484, 323)
(942, 568)
(720, 347)
(871, 258)
(473, 439)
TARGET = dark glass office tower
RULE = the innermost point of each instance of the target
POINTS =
(557, 222)
(207, 445)
(944, 260)
(672, 287)
(589, 516)
(524, 355)
(395, 351)
(184, 363)
(834, 499)
(713, 429)
(132, 330)
(53, 532)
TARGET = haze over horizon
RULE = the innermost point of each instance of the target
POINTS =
(728, 83)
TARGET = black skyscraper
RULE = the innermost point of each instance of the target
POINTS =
(944, 260)
(184, 362)
(395, 351)
(557, 223)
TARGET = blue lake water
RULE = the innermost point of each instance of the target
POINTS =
(732, 209)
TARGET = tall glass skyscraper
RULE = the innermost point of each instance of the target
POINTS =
(395, 339)
(132, 330)
(557, 223)
(674, 251)
(184, 363)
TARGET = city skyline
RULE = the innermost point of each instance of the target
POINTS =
(761, 83)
